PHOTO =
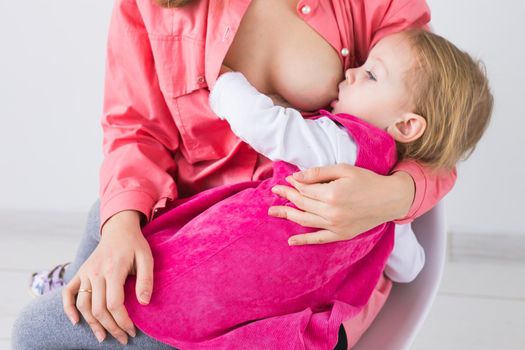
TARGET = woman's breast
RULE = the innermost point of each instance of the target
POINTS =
(281, 54)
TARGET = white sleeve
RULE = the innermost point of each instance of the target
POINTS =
(277, 132)
(407, 257)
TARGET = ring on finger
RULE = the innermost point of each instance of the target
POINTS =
(85, 287)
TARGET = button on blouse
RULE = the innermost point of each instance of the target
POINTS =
(306, 10)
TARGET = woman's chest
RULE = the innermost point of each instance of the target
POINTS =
(281, 54)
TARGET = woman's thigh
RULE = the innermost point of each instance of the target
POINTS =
(88, 242)
(42, 325)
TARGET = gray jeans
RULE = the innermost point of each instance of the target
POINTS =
(42, 324)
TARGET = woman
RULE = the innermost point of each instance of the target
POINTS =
(162, 142)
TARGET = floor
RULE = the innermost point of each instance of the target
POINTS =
(480, 306)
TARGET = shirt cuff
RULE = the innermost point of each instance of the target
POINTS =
(127, 200)
(420, 188)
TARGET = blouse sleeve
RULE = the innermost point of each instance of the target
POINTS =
(430, 187)
(139, 134)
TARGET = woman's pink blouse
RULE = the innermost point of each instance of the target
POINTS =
(162, 141)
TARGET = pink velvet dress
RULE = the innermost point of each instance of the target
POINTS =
(226, 278)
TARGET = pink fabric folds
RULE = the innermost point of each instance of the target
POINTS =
(225, 277)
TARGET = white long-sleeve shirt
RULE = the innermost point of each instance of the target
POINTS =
(283, 134)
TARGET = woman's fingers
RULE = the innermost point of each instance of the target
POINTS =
(68, 299)
(307, 218)
(299, 217)
(319, 237)
(115, 303)
(323, 174)
(102, 307)
(301, 201)
(317, 191)
(144, 286)
(84, 306)
(100, 311)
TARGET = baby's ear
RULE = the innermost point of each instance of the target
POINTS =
(407, 128)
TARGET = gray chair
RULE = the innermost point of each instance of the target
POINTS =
(402, 316)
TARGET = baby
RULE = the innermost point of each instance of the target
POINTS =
(435, 109)
(401, 89)
(224, 273)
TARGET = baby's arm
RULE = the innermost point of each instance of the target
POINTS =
(407, 257)
(277, 132)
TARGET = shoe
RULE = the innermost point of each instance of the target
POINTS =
(45, 281)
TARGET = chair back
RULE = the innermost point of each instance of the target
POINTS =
(405, 310)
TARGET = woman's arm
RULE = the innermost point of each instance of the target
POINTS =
(140, 136)
(343, 201)
(139, 140)
(431, 186)
(356, 199)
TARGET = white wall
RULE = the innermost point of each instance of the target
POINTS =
(489, 195)
(51, 84)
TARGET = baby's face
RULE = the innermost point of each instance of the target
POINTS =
(376, 92)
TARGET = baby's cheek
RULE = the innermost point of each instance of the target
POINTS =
(354, 106)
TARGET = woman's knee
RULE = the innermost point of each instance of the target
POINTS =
(38, 323)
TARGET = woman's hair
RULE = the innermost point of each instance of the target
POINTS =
(173, 3)
(450, 90)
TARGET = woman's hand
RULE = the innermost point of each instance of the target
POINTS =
(99, 282)
(343, 201)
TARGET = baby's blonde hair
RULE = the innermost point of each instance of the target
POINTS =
(450, 90)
